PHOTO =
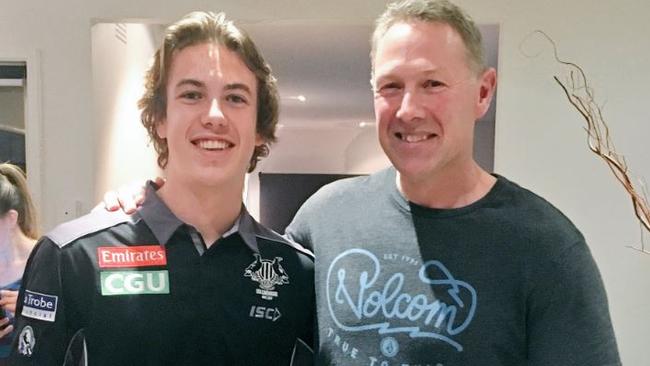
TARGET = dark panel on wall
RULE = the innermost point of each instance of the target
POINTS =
(12, 148)
(281, 195)
(13, 71)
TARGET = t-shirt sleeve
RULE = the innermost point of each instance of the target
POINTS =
(568, 320)
(298, 229)
(41, 335)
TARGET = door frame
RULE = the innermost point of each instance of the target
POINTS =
(33, 120)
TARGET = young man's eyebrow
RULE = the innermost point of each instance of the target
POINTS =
(239, 86)
(232, 86)
(192, 82)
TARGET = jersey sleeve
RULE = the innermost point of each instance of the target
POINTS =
(309, 334)
(41, 334)
(568, 320)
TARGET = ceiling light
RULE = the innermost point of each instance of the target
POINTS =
(301, 98)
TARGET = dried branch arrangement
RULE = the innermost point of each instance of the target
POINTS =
(581, 96)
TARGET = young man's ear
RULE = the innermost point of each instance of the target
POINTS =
(259, 140)
(487, 85)
(161, 129)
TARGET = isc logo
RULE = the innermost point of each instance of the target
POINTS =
(263, 312)
(134, 282)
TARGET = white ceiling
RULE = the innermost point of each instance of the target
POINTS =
(325, 62)
(328, 63)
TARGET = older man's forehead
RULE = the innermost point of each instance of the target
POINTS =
(405, 41)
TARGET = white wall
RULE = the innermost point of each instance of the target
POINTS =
(120, 55)
(539, 139)
(541, 142)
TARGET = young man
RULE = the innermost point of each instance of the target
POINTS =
(447, 264)
(191, 278)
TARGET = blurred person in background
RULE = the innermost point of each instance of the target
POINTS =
(18, 233)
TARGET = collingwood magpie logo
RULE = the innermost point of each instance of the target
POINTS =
(268, 273)
(26, 341)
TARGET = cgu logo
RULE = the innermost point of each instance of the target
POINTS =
(134, 282)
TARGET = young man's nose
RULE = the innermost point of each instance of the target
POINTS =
(214, 114)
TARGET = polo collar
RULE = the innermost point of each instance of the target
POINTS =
(163, 223)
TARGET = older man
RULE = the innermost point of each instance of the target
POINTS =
(434, 261)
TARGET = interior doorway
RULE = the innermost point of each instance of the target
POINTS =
(20, 115)
(13, 76)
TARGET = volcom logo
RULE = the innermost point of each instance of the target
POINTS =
(268, 274)
(362, 296)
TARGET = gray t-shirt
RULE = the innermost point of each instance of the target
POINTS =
(507, 280)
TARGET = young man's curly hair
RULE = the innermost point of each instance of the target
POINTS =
(202, 27)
